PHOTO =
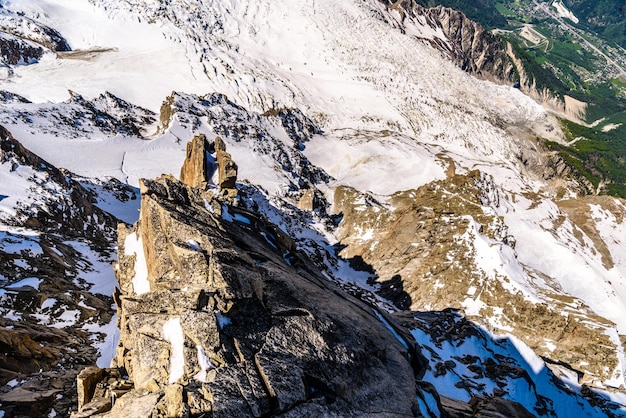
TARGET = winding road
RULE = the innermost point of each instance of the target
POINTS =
(545, 7)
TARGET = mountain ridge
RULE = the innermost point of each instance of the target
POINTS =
(348, 119)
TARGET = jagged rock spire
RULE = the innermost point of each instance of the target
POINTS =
(232, 332)
(203, 159)
(226, 165)
(194, 170)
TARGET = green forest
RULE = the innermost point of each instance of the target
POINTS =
(595, 154)
(605, 17)
(482, 11)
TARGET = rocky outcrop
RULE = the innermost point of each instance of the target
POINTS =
(279, 134)
(471, 47)
(108, 113)
(218, 315)
(195, 171)
(227, 167)
(75, 209)
(28, 29)
(78, 117)
(203, 160)
(424, 253)
(15, 51)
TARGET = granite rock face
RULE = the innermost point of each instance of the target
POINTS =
(226, 165)
(470, 46)
(219, 314)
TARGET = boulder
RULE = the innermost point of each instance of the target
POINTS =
(87, 380)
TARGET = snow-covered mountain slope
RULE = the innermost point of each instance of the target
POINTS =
(407, 163)
(56, 279)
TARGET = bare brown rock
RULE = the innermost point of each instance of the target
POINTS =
(203, 159)
(194, 170)
(87, 380)
(21, 346)
(422, 264)
(229, 327)
(227, 167)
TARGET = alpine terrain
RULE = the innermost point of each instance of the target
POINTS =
(299, 208)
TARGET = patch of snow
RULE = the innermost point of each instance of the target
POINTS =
(428, 406)
(270, 240)
(18, 240)
(577, 268)
(242, 219)
(472, 306)
(106, 345)
(497, 261)
(126, 211)
(618, 374)
(173, 332)
(194, 245)
(134, 246)
(95, 268)
(67, 318)
(226, 214)
(12, 315)
(205, 365)
(222, 320)
(391, 329)
(529, 356)
(15, 185)
(48, 303)
(364, 235)
(31, 281)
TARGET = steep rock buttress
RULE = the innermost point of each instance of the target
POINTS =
(219, 314)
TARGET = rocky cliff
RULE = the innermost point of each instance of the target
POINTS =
(221, 315)
(478, 51)
(464, 41)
